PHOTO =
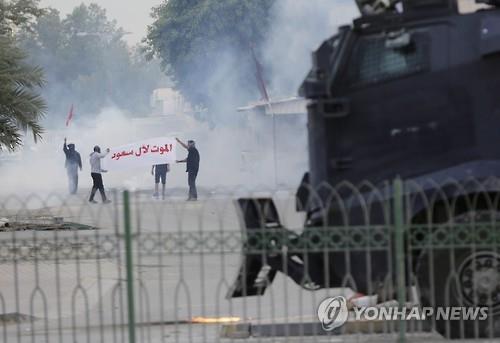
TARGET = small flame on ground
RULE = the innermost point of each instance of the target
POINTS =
(215, 320)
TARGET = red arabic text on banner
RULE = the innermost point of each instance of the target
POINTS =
(141, 154)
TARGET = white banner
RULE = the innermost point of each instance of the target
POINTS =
(141, 154)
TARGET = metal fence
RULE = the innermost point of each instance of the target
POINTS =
(247, 266)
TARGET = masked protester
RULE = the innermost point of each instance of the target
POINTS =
(192, 166)
(72, 164)
(96, 173)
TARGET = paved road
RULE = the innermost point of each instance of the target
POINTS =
(196, 334)
(82, 298)
(66, 292)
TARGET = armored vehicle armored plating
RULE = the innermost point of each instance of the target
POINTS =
(410, 92)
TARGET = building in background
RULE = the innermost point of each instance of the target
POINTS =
(168, 101)
(287, 106)
(467, 6)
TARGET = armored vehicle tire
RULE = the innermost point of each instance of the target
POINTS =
(466, 278)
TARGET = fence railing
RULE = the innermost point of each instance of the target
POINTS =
(406, 259)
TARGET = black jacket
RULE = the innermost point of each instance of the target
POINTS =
(193, 160)
(72, 156)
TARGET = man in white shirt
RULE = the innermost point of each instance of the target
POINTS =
(95, 172)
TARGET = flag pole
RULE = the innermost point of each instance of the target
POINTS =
(70, 116)
(265, 95)
(275, 154)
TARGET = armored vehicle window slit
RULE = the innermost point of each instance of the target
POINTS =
(379, 58)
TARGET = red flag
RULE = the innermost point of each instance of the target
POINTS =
(260, 79)
(70, 116)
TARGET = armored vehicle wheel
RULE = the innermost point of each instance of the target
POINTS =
(466, 278)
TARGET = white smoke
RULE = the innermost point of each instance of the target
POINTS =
(299, 27)
(236, 150)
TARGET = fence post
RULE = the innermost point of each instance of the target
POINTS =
(129, 266)
(399, 242)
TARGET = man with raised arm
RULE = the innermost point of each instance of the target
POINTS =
(192, 166)
(95, 172)
(73, 162)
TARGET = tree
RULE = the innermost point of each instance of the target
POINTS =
(21, 107)
(205, 44)
(18, 14)
(88, 63)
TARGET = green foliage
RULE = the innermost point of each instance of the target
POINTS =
(88, 64)
(194, 37)
(20, 105)
(18, 14)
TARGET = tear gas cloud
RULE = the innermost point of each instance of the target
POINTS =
(299, 27)
(236, 150)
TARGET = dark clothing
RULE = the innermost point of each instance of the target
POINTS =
(193, 160)
(73, 162)
(161, 173)
(72, 170)
(161, 168)
(192, 167)
(72, 156)
(193, 194)
(97, 180)
(98, 185)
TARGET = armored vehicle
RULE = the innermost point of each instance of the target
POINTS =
(408, 92)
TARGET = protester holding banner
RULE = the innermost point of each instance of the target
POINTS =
(96, 170)
(192, 166)
(159, 171)
(158, 152)
(73, 162)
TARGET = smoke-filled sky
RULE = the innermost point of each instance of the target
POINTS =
(132, 15)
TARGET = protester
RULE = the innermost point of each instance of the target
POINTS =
(73, 162)
(160, 173)
(96, 170)
(192, 166)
